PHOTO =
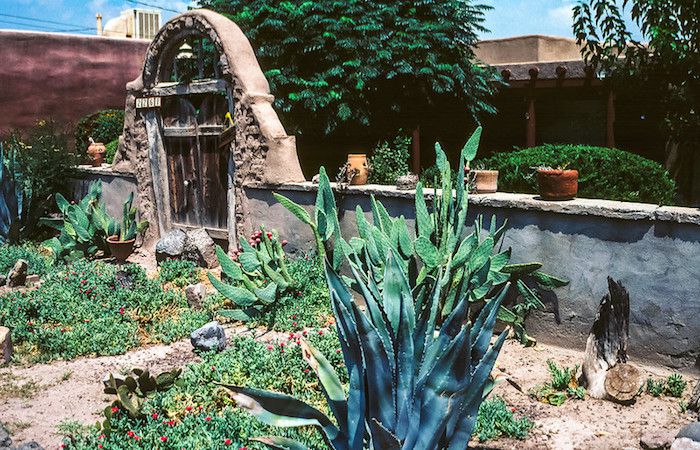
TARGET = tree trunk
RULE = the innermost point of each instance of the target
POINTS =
(607, 347)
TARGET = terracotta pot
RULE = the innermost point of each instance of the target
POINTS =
(557, 184)
(485, 181)
(358, 161)
(120, 250)
(96, 151)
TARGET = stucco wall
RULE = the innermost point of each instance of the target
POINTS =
(654, 251)
(531, 48)
(63, 76)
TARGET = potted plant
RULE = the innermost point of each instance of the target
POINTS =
(96, 151)
(481, 180)
(359, 168)
(123, 235)
(557, 184)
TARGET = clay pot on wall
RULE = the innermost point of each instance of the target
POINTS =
(557, 184)
(120, 250)
(485, 181)
(357, 165)
(96, 151)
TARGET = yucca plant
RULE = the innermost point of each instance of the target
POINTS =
(258, 275)
(410, 386)
(438, 245)
(15, 199)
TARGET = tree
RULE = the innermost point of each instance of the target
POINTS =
(665, 63)
(356, 64)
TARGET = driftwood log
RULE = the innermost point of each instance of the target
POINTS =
(606, 373)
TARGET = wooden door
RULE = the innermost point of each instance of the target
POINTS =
(197, 168)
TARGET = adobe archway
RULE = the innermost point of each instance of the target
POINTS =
(261, 151)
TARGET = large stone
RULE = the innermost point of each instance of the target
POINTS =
(195, 294)
(685, 444)
(694, 402)
(205, 247)
(690, 431)
(5, 345)
(657, 440)
(18, 274)
(210, 337)
(5, 440)
(172, 245)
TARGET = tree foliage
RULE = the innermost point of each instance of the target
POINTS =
(664, 63)
(354, 64)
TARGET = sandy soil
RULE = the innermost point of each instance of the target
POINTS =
(34, 400)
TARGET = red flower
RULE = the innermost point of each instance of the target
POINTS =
(99, 445)
(294, 324)
(213, 368)
(227, 441)
(269, 347)
(171, 423)
(136, 438)
(154, 416)
(188, 408)
(164, 438)
(115, 409)
(130, 433)
(207, 419)
(320, 332)
(121, 310)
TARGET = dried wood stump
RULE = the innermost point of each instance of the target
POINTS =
(606, 373)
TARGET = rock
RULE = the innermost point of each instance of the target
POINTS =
(5, 440)
(18, 274)
(205, 247)
(195, 294)
(657, 440)
(685, 444)
(172, 245)
(3, 278)
(694, 403)
(118, 379)
(32, 280)
(407, 182)
(124, 280)
(316, 178)
(690, 431)
(210, 337)
(5, 345)
(29, 446)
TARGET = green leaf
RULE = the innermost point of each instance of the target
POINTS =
(228, 267)
(241, 315)
(294, 208)
(472, 146)
(280, 443)
(427, 252)
(240, 296)
(249, 261)
(549, 281)
(520, 269)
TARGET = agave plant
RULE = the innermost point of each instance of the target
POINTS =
(15, 200)
(410, 387)
(438, 246)
(259, 275)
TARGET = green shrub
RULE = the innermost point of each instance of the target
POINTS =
(390, 160)
(198, 414)
(111, 151)
(38, 264)
(179, 272)
(103, 126)
(606, 173)
(562, 386)
(675, 385)
(87, 309)
(496, 419)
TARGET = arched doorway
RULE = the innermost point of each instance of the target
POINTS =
(199, 127)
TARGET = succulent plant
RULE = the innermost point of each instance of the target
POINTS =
(410, 386)
(258, 273)
(133, 390)
(15, 200)
(84, 227)
(129, 227)
(438, 245)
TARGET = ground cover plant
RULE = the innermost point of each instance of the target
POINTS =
(37, 262)
(92, 308)
(606, 173)
(179, 272)
(198, 413)
(497, 419)
(673, 386)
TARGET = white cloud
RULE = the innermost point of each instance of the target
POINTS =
(562, 15)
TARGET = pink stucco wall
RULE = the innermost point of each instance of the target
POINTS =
(63, 76)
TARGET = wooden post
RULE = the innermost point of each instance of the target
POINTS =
(610, 121)
(531, 119)
(416, 150)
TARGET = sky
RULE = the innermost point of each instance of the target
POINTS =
(508, 18)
